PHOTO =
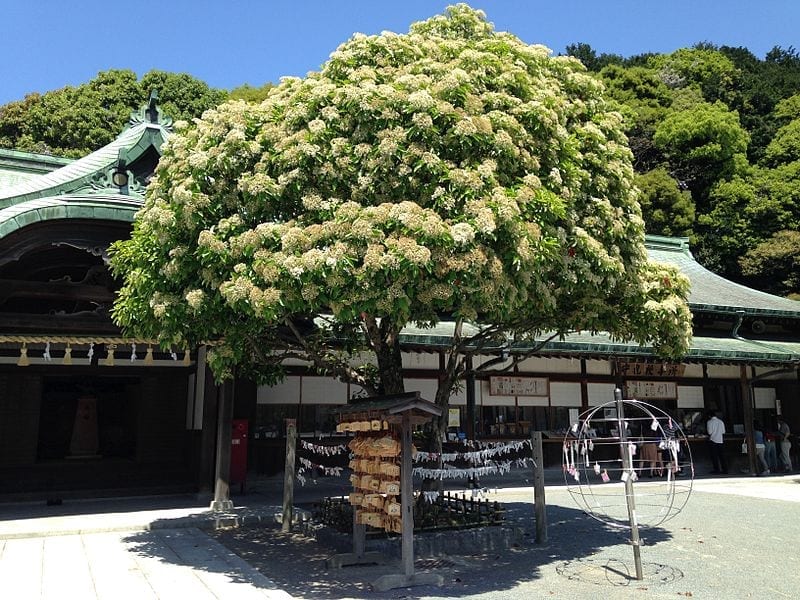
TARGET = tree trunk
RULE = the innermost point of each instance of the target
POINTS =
(390, 359)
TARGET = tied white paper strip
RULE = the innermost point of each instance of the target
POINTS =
(133, 352)
(476, 457)
(322, 449)
(430, 497)
(496, 469)
(90, 354)
(335, 471)
(46, 354)
(654, 425)
(489, 445)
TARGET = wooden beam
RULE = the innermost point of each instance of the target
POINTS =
(88, 323)
(60, 290)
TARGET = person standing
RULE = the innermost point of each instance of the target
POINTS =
(716, 431)
(770, 449)
(758, 442)
(785, 432)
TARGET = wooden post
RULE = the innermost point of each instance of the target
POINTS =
(747, 412)
(539, 503)
(407, 497)
(288, 475)
(359, 537)
(470, 398)
(222, 489)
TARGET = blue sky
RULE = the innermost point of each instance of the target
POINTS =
(52, 43)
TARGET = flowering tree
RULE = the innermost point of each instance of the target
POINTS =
(451, 172)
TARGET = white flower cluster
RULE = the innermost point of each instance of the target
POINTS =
(451, 158)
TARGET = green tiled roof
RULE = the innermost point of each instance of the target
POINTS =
(709, 291)
(80, 173)
(18, 167)
(109, 208)
(601, 345)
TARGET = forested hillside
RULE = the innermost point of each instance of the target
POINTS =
(715, 133)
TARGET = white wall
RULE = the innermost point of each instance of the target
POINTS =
(600, 393)
(690, 396)
(765, 397)
(565, 393)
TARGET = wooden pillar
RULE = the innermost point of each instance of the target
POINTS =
(288, 475)
(208, 437)
(407, 497)
(747, 412)
(584, 386)
(222, 490)
(470, 398)
(539, 504)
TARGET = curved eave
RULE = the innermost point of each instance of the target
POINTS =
(96, 206)
(133, 141)
(749, 311)
(708, 288)
(602, 346)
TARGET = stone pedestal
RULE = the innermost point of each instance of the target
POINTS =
(84, 442)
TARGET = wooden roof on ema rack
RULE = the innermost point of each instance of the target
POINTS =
(394, 404)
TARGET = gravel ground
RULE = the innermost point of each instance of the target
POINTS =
(734, 539)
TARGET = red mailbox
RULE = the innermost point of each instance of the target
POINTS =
(239, 453)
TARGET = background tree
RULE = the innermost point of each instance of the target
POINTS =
(644, 100)
(666, 209)
(703, 67)
(589, 57)
(74, 121)
(747, 211)
(704, 143)
(452, 172)
(180, 95)
(774, 264)
(250, 93)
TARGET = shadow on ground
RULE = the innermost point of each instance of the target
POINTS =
(89, 506)
(297, 562)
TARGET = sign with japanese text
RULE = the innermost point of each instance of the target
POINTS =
(651, 390)
(454, 417)
(518, 386)
(634, 368)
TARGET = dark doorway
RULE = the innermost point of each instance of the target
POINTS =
(112, 403)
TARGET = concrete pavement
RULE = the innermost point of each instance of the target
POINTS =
(140, 548)
(159, 548)
(158, 565)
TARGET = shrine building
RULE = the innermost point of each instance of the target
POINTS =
(84, 409)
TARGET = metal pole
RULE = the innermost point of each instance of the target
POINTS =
(539, 504)
(627, 469)
(288, 475)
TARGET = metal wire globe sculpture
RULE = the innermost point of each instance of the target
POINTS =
(604, 453)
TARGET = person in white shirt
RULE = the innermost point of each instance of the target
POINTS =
(716, 431)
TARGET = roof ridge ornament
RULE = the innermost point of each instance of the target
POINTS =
(151, 114)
